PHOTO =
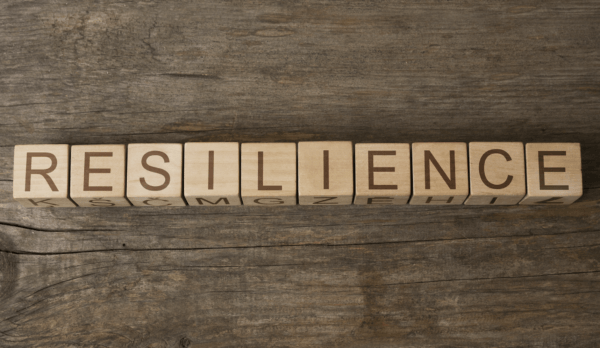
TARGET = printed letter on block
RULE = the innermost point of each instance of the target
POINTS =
(154, 175)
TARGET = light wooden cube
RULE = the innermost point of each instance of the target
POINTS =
(553, 173)
(154, 174)
(325, 173)
(98, 175)
(382, 173)
(269, 174)
(41, 176)
(440, 173)
(497, 173)
(212, 174)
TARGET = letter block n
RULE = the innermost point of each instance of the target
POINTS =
(440, 173)
(154, 173)
(41, 176)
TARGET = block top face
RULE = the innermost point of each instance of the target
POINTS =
(452, 160)
(497, 168)
(154, 170)
(97, 170)
(41, 171)
(325, 168)
(268, 169)
(381, 167)
(212, 169)
(554, 169)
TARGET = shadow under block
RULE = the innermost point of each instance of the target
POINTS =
(212, 174)
(98, 175)
(269, 174)
(41, 176)
(497, 173)
(325, 173)
(154, 174)
(553, 173)
(440, 173)
(382, 173)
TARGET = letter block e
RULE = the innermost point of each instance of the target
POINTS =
(154, 173)
(553, 173)
(98, 175)
(41, 176)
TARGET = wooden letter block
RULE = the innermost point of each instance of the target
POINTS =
(553, 173)
(212, 174)
(382, 173)
(154, 174)
(41, 176)
(269, 174)
(325, 173)
(98, 175)
(440, 173)
(497, 173)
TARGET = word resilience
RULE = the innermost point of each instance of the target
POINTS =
(309, 173)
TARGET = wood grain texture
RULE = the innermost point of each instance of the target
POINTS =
(107, 72)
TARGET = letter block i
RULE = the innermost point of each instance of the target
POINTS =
(41, 176)
(440, 173)
(212, 174)
(497, 173)
(269, 174)
(325, 173)
(382, 173)
(98, 175)
(553, 173)
(154, 174)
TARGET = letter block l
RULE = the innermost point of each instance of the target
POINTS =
(440, 173)
(269, 174)
(154, 173)
(41, 176)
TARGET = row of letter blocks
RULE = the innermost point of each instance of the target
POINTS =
(311, 173)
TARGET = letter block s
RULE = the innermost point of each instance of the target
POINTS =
(154, 175)
(41, 176)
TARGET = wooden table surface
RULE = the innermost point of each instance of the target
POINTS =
(89, 72)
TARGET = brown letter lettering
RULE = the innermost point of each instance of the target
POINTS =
(373, 169)
(155, 170)
(451, 182)
(482, 169)
(211, 170)
(550, 201)
(325, 170)
(371, 200)
(87, 170)
(224, 199)
(147, 202)
(273, 202)
(327, 199)
(544, 170)
(261, 178)
(44, 201)
(430, 199)
(42, 172)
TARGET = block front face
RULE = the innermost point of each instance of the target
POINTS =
(553, 173)
(325, 173)
(154, 174)
(41, 176)
(98, 175)
(269, 174)
(497, 173)
(382, 173)
(440, 173)
(212, 174)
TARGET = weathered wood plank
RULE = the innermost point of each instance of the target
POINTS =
(85, 72)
